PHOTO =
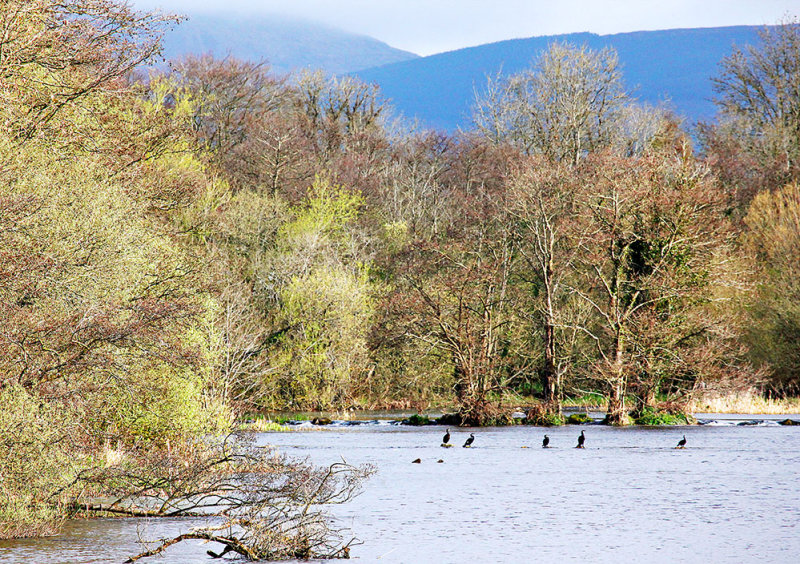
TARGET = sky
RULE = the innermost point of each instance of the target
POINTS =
(425, 27)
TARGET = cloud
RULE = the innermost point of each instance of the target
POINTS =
(430, 26)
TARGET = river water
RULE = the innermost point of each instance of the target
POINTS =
(733, 495)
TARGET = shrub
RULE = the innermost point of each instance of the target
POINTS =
(578, 419)
(417, 420)
(651, 416)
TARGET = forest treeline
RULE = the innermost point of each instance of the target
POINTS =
(181, 246)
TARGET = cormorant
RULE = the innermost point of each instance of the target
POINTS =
(546, 441)
(581, 440)
(446, 438)
(469, 440)
(682, 442)
(225, 551)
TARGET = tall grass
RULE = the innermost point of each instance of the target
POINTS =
(746, 402)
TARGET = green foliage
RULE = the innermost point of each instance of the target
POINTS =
(546, 419)
(417, 420)
(37, 462)
(395, 236)
(326, 302)
(331, 310)
(578, 419)
(651, 416)
(325, 213)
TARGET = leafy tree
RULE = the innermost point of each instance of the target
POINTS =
(324, 299)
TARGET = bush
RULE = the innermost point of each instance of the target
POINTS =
(578, 419)
(34, 465)
(541, 417)
(417, 420)
(651, 416)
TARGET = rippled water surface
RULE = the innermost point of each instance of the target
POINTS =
(733, 495)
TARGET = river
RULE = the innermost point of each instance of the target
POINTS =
(732, 495)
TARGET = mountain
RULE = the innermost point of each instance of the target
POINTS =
(673, 66)
(286, 43)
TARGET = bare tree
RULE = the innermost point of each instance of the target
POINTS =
(566, 105)
(257, 503)
(651, 264)
(757, 142)
(542, 205)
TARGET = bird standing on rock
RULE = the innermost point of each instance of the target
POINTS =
(682, 443)
(446, 438)
(581, 440)
(469, 440)
(546, 442)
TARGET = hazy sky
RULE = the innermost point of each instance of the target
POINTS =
(431, 26)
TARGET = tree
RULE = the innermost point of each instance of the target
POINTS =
(567, 105)
(54, 54)
(652, 266)
(453, 293)
(542, 205)
(756, 145)
(255, 502)
(228, 104)
(323, 293)
(773, 240)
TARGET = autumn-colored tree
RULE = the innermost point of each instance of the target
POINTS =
(755, 145)
(651, 259)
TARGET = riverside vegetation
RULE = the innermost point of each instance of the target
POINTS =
(183, 246)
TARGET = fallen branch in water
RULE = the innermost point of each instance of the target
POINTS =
(259, 504)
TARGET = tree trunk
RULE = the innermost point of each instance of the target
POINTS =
(616, 413)
(549, 376)
(647, 397)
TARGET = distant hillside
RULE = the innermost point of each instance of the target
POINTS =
(286, 43)
(674, 65)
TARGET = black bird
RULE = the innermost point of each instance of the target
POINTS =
(581, 440)
(446, 438)
(469, 440)
(546, 441)
(682, 442)
(225, 551)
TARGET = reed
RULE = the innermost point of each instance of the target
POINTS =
(747, 402)
(264, 426)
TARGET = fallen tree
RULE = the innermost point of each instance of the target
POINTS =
(256, 502)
